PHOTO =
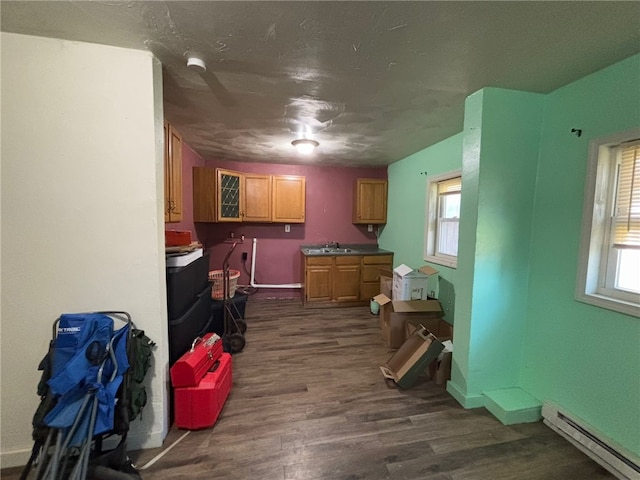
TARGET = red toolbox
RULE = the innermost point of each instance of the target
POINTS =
(177, 238)
(199, 406)
(193, 365)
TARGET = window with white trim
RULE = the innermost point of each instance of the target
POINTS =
(443, 218)
(609, 263)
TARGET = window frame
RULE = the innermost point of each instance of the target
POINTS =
(594, 256)
(431, 222)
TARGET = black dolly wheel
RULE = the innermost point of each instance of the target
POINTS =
(236, 342)
(240, 325)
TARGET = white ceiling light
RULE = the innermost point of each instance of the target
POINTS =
(305, 145)
(196, 64)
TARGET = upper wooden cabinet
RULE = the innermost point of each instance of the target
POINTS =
(204, 194)
(370, 201)
(288, 199)
(257, 198)
(230, 195)
(172, 174)
(226, 196)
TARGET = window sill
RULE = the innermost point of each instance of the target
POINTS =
(610, 303)
(451, 263)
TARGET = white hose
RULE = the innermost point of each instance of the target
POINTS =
(253, 273)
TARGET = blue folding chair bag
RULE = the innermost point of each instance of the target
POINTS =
(78, 335)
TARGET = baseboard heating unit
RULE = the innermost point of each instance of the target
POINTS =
(615, 458)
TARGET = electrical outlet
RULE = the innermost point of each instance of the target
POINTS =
(287, 228)
(244, 256)
(369, 228)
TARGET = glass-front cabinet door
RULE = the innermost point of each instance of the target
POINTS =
(229, 186)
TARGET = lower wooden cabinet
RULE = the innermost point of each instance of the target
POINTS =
(342, 278)
(346, 279)
(318, 277)
(371, 266)
(331, 279)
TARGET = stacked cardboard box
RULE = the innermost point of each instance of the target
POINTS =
(415, 327)
(397, 317)
(410, 284)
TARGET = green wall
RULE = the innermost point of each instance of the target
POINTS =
(585, 358)
(501, 137)
(404, 232)
(518, 327)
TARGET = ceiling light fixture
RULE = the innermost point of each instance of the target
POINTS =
(305, 145)
(196, 64)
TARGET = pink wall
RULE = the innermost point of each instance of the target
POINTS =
(329, 192)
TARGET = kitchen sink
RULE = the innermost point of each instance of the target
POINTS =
(317, 250)
(329, 250)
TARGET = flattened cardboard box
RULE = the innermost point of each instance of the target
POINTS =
(412, 358)
(439, 370)
(394, 315)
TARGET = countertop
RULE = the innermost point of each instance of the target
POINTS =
(346, 249)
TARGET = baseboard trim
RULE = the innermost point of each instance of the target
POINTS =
(467, 401)
(141, 441)
(15, 458)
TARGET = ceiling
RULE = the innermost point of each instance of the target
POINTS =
(372, 82)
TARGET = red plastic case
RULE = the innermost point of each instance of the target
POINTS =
(199, 407)
(177, 238)
(193, 365)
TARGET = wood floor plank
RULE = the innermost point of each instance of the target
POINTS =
(309, 403)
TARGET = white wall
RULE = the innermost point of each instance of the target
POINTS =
(82, 226)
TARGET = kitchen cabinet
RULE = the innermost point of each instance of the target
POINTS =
(318, 277)
(370, 201)
(172, 174)
(204, 194)
(288, 199)
(346, 279)
(341, 279)
(257, 198)
(331, 278)
(370, 280)
(228, 196)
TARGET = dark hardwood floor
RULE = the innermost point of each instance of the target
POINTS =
(310, 403)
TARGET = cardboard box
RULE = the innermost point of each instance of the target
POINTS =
(435, 325)
(412, 358)
(410, 284)
(440, 370)
(386, 282)
(394, 315)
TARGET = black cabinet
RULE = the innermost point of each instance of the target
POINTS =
(188, 305)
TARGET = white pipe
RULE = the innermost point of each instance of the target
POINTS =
(253, 273)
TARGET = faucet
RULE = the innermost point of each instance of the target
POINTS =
(333, 244)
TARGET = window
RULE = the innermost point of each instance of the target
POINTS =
(609, 264)
(443, 219)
